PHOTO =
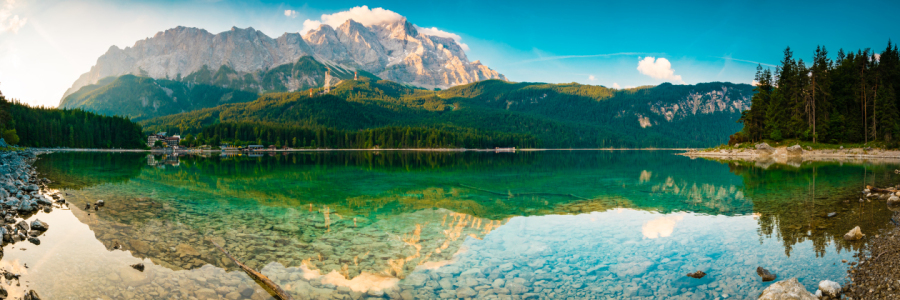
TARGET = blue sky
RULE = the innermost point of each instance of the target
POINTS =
(46, 45)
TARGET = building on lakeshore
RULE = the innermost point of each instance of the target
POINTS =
(173, 141)
(169, 141)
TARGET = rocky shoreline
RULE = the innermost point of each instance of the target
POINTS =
(22, 195)
(877, 275)
(766, 154)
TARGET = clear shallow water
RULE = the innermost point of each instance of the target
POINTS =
(593, 224)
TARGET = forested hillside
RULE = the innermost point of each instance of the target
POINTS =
(142, 97)
(851, 99)
(554, 115)
(28, 126)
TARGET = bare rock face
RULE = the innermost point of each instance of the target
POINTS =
(723, 99)
(392, 50)
(787, 289)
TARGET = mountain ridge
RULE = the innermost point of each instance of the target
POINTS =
(391, 50)
(557, 115)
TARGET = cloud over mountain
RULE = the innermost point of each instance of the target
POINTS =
(360, 14)
(658, 68)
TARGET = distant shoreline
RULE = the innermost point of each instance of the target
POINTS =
(390, 149)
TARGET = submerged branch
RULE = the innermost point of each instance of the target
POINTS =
(264, 281)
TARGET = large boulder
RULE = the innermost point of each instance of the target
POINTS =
(854, 234)
(3, 143)
(764, 148)
(794, 150)
(39, 225)
(787, 289)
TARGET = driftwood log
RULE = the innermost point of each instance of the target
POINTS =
(878, 190)
(264, 281)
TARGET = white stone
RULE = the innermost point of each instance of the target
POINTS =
(854, 234)
(830, 288)
(786, 289)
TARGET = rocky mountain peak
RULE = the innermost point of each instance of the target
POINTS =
(392, 50)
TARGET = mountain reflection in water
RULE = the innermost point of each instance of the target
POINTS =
(625, 224)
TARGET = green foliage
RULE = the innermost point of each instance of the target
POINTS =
(851, 99)
(49, 127)
(557, 116)
(10, 137)
(385, 137)
(142, 98)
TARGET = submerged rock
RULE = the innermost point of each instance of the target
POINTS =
(893, 200)
(6, 234)
(138, 266)
(698, 274)
(832, 214)
(830, 288)
(854, 234)
(32, 295)
(10, 276)
(765, 274)
(34, 240)
(787, 289)
(99, 203)
(22, 226)
(39, 225)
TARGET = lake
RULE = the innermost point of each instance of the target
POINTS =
(425, 225)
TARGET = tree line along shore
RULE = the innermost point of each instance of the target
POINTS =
(849, 99)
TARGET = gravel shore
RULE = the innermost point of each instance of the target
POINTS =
(877, 276)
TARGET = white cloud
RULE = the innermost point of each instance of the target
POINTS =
(876, 56)
(374, 16)
(592, 78)
(433, 31)
(361, 14)
(659, 68)
(754, 83)
(290, 13)
(616, 86)
(8, 21)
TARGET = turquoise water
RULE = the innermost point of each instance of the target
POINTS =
(346, 225)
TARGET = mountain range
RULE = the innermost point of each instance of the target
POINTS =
(385, 76)
(392, 50)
